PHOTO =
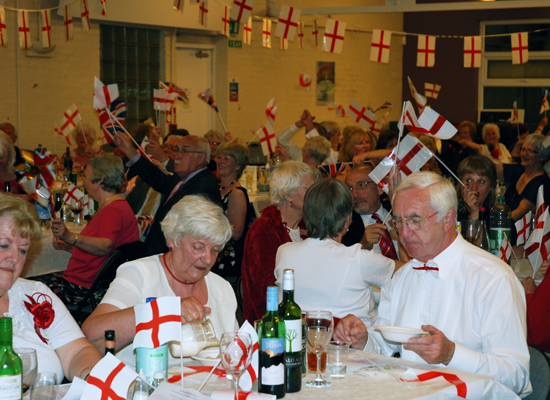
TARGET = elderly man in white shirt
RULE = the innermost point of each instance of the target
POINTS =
(469, 301)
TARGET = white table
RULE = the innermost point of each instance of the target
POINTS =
(259, 200)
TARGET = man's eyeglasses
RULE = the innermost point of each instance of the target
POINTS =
(414, 224)
(186, 151)
(359, 185)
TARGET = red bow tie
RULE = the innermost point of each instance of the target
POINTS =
(426, 268)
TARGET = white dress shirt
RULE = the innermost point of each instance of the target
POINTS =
(475, 300)
(284, 138)
(331, 276)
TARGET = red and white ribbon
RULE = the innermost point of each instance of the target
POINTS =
(315, 32)
(301, 35)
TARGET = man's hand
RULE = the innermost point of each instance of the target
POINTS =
(372, 235)
(124, 143)
(352, 330)
(153, 148)
(529, 285)
(307, 120)
(281, 152)
(434, 349)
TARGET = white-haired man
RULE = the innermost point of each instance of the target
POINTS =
(469, 301)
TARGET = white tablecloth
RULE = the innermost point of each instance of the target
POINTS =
(260, 201)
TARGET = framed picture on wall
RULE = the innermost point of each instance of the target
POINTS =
(325, 76)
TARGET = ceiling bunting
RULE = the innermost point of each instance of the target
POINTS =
(284, 44)
(178, 5)
(333, 40)
(194, 1)
(520, 48)
(24, 30)
(3, 30)
(247, 32)
(68, 22)
(431, 90)
(472, 51)
(289, 17)
(85, 15)
(241, 10)
(380, 46)
(203, 12)
(420, 100)
(301, 35)
(225, 21)
(266, 33)
(315, 31)
(425, 56)
(45, 28)
(101, 7)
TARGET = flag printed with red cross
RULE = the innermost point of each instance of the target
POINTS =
(163, 99)
(72, 195)
(456, 386)
(412, 156)
(267, 139)
(266, 33)
(333, 40)
(545, 106)
(520, 48)
(362, 115)
(109, 380)
(271, 111)
(537, 248)
(225, 21)
(315, 31)
(203, 12)
(24, 30)
(85, 15)
(505, 251)
(430, 123)
(251, 373)
(46, 27)
(157, 322)
(68, 122)
(68, 22)
(101, 7)
(104, 95)
(472, 51)
(431, 90)
(3, 30)
(420, 100)
(380, 46)
(247, 32)
(178, 6)
(541, 205)
(305, 80)
(301, 35)
(241, 10)
(425, 53)
(523, 228)
(287, 24)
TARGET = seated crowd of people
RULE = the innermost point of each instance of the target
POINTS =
(341, 233)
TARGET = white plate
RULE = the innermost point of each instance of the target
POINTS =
(208, 357)
(399, 334)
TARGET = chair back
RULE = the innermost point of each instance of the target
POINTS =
(539, 367)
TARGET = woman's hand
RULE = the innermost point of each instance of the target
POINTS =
(61, 245)
(360, 158)
(528, 285)
(192, 310)
(89, 151)
(60, 231)
(471, 197)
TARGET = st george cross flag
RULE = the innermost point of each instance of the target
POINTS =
(537, 247)
(284, 44)
(380, 46)
(157, 322)
(545, 106)
(33, 188)
(3, 30)
(430, 123)
(72, 195)
(523, 228)
(267, 139)
(472, 51)
(225, 21)
(305, 80)
(425, 54)
(541, 205)
(520, 48)
(101, 7)
(24, 30)
(333, 41)
(271, 111)
(46, 27)
(251, 373)
(431, 90)
(331, 170)
(178, 5)
(247, 32)
(361, 115)
(208, 98)
(104, 95)
(514, 117)
(287, 24)
(412, 156)
(68, 22)
(420, 100)
(203, 12)
(505, 251)
(266, 33)
(315, 31)
(241, 10)
(163, 99)
(301, 35)
(340, 109)
(85, 15)
(68, 122)
(110, 379)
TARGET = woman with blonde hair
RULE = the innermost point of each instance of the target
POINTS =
(84, 136)
(8, 179)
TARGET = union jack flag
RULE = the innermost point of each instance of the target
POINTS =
(208, 98)
(331, 170)
(118, 109)
(172, 88)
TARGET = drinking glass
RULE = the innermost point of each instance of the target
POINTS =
(236, 354)
(28, 358)
(470, 229)
(76, 208)
(319, 326)
(44, 386)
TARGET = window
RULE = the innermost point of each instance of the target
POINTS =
(502, 82)
(130, 57)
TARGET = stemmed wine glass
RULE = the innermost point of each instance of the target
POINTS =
(236, 353)
(28, 358)
(319, 326)
(76, 208)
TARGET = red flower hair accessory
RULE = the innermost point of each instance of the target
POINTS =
(43, 312)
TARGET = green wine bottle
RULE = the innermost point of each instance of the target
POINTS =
(291, 314)
(11, 367)
(271, 336)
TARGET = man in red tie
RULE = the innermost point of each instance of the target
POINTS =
(367, 224)
(191, 176)
(470, 302)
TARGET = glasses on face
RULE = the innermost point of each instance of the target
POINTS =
(174, 149)
(530, 151)
(359, 185)
(185, 151)
(414, 224)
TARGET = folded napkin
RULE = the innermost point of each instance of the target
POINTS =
(461, 386)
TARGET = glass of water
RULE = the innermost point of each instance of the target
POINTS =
(337, 359)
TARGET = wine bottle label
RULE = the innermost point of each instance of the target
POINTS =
(274, 375)
(273, 347)
(10, 387)
(293, 331)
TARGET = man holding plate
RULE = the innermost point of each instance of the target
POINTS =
(469, 301)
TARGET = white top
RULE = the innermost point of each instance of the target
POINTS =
(63, 329)
(333, 158)
(504, 158)
(284, 138)
(137, 280)
(330, 276)
(475, 300)
(369, 220)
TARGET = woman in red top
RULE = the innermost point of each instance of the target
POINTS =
(113, 224)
